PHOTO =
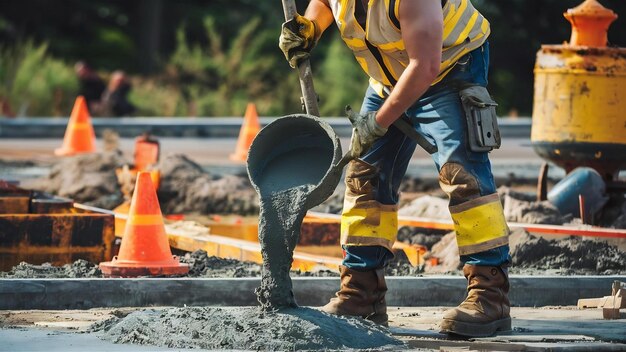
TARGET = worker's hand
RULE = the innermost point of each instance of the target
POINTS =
(365, 131)
(297, 38)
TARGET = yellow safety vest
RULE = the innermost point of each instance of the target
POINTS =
(379, 47)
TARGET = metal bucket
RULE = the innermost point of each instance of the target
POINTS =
(293, 151)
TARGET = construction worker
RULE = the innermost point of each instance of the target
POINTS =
(427, 62)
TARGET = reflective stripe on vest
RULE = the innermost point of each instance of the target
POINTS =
(465, 29)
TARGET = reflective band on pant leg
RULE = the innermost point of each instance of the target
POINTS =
(479, 224)
(369, 223)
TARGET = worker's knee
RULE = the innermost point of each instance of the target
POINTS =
(361, 179)
(458, 183)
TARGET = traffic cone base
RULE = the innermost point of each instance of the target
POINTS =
(145, 248)
(125, 268)
(249, 129)
(79, 134)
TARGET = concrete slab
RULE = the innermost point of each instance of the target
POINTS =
(35, 340)
(526, 291)
(534, 329)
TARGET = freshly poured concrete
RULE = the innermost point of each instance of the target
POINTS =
(245, 328)
(290, 165)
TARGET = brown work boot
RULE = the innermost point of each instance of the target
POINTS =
(362, 294)
(486, 308)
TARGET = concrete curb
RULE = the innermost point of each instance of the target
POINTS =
(54, 127)
(526, 291)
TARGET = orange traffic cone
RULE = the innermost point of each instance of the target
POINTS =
(145, 249)
(249, 129)
(79, 135)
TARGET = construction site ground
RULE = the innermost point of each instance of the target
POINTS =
(550, 328)
(534, 329)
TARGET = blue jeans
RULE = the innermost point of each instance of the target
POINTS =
(438, 115)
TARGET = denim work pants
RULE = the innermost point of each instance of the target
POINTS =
(439, 116)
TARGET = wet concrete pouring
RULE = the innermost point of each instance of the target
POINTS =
(187, 188)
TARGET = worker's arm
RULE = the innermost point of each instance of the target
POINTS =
(319, 12)
(422, 32)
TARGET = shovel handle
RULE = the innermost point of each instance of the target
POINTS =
(304, 69)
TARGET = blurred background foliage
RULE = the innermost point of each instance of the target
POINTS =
(209, 58)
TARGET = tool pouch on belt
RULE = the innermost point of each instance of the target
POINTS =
(482, 124)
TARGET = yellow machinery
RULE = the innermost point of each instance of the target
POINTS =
(579, 113)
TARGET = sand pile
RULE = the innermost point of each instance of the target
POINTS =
(246, 328)
(518, 208)
(187, 188)
(79, 268)
(86, 178)
(571, 255)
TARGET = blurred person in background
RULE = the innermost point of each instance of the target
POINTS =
(91, 85)
(114, 101)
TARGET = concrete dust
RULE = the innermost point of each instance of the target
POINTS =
(246, 328)
(186, 188)
(569, 256)
(78, 269)
(85, 178)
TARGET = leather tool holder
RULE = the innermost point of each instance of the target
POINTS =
(482, 123)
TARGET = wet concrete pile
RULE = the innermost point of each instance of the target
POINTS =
(187, 188)
(246, 328)
(88, 179)
(78, 269)
(567, 256)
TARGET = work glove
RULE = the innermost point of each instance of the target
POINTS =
(365, 131)
(297, 38)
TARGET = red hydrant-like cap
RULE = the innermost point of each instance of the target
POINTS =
(590, 23)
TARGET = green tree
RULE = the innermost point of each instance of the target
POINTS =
(342, 80)
(220, 78)
(34, 83)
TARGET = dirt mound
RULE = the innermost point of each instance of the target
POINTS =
(86, 178)
(571, 255)
(200, 265)
(532, 212)
(80, 268)
(187, 188)
(203, 265)
(246, 328)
